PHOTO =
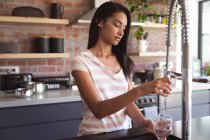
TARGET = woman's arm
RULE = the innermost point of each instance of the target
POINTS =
(135, 114)
(100, 108)
(104, 108)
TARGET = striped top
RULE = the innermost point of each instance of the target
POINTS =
(108, 85)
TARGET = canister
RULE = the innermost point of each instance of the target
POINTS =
(42, 44)
(56, 44)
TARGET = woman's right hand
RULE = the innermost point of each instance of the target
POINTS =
(162, 86)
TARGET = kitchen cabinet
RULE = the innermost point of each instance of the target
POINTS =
(200, 104)
(33, 21)
(36, 122)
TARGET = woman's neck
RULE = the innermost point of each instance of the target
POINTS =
(102, 50)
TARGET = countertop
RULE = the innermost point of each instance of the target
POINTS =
(48, 97)
(200, 131)
(68, 95)
(196, 86)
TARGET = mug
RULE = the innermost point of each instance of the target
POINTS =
(57, 11)
(142, 45)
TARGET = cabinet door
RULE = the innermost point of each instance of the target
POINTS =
(197, 111)
(175, 100)
(37, 114)
(44, 131)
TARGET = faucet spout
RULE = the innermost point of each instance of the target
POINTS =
(186, 63)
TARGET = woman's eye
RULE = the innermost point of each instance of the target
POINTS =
(117, 25)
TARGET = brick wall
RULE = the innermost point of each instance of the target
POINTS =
(75, 37)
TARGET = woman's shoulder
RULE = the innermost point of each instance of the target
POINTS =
(81, 55)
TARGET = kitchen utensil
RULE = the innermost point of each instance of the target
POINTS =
(9, 47)
(9, 82)
(23, 92)
(39, 87)
(142, 46)
(55, 82)
(163, 126)
(57, 10)
(145, 35)
(27, 11)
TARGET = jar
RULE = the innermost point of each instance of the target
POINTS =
(158, 72)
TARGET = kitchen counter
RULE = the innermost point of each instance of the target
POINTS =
(196, 86)
(200, 131)
(48, 97)
(68, 95)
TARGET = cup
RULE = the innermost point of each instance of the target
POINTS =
(142, 45)
(57, 11)
(163, 126)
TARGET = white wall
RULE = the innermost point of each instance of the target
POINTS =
(193, 15)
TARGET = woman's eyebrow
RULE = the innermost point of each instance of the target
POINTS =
(119, 21)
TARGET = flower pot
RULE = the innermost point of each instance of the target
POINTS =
(142, 45)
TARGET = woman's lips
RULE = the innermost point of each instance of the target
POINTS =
(118, 38)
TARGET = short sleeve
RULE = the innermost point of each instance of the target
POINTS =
(78, 64)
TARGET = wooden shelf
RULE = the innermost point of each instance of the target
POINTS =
(34, 55)
(152, 54)
(149, 25)
(32, 20)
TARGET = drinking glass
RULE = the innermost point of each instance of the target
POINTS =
(163, 126)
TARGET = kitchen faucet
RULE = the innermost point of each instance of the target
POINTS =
(186, 63)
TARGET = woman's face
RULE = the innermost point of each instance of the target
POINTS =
(112, 30)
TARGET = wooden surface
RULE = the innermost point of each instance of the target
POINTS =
(32, 20)
(34, 55)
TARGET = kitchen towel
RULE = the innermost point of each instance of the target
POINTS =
(151, 112)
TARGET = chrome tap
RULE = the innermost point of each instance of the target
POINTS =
(186, 63)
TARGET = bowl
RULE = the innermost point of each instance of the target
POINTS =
(23, 92)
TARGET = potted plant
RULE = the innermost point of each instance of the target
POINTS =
(138, 8)
(139, 33)
(206, 69)
(142, 43)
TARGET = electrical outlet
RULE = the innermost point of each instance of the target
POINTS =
(9, 69)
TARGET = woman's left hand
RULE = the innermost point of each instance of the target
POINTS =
(148, 125)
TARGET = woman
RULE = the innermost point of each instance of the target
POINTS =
(103, 75)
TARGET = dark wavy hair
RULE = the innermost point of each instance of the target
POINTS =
(106, 10)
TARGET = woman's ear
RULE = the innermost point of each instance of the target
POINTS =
(99, 23)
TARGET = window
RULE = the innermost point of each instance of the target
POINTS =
(204, 32)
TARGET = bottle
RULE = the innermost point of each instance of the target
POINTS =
(158, 72)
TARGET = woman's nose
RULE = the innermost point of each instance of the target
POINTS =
(121, 31)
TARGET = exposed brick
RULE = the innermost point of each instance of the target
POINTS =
(28, 69)
(17, 63)
(26, 1)
(46, 69)
(2, 63)
(55, 62)
(37, 62)
(75, 38)
(10, 6)
(2, 35)
(65, 69)
(1, 5)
